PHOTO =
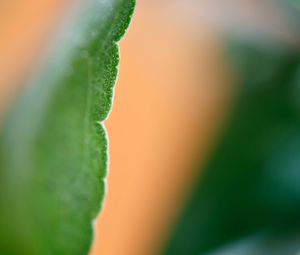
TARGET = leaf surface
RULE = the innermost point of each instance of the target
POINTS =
(53, 146)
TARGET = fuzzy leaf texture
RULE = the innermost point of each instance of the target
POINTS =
(53, 146)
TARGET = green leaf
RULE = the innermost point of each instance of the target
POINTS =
(251, 183)
(53, 146)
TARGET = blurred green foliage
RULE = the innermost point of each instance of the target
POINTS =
(250, 188)
(53, 147)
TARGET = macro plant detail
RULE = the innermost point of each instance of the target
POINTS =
(235, 193)
(53, 146)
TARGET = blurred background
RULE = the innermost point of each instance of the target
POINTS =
(175, 91)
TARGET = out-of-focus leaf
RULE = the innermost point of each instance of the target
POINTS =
(53, 147)
(263, 244)
(251, 183)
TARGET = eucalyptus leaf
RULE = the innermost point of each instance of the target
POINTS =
(53, 146)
